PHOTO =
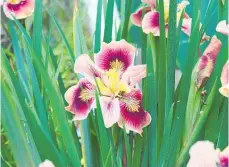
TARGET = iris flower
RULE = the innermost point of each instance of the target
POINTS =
(223, 27)
(20, 9)
(115, 76)
(148, 17)
(206, 63)
(203, 154)
(224, 90)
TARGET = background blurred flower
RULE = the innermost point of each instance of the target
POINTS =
(224, 90)
(203, 154)
(223, 27)
(20, 9)
(46, 163)
(150, 21)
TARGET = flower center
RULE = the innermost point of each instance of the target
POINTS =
(111, 84)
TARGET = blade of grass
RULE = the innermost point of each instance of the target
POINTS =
(98, 26)
(109, 21)
(37, 28)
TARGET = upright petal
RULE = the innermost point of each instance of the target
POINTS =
(85, 66)
(20, 10)
(151, 3)
(203, 154)
(80, 98)
(110, 110)
(132, 114)
(223, 157)
(134, 74)
(206, 63)
(224, 90)
(223, 27)
(150, 23)
(136, 18)
(117, 55)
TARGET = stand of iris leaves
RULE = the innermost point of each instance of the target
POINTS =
(38, 127)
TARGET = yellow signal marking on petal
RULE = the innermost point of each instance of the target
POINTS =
(118, 65)
(86, 94)
(14, 1)
(132, 105)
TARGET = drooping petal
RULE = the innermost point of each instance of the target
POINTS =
(150, 23)
(223, 27)
(224, 75)
(134, 74)
(224, 90)
(223, 157)
(110, 110)
(85, 66)
(132, 114)
(46, 163)
(206, 63)
(117, 55)
(151, 3)
(19, 9)
(203, 154)
(136, 18)
(80, 98)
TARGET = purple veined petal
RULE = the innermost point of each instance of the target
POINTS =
(150, 23)
(134, 74)
(20, 10)
(224, 157)
(151, 3)
(136, 18)
(80, 99)
(110, 110)
(85, 66)
(206, 63)
(223, 27)
(117, 55)
(203, 154)
(132, 114)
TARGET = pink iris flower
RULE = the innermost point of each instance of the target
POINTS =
(115, 76)
(224, 90)
(148, 17)
(20, 9)
(206, 63)
(204, 154)
(223, 27)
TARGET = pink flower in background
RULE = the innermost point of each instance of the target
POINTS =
(20, 9)
(204, 154)
(206, 63)
(224, 90)
(223, 157)
(115, 77)
(223, 27)
(46, 163)
(148, 17)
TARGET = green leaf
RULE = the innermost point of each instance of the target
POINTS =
(109, 22)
